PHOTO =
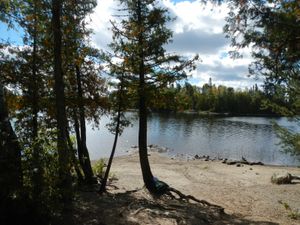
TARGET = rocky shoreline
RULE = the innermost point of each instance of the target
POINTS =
(163, 150)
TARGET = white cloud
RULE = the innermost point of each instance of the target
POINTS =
(198, 29)
(100, 22)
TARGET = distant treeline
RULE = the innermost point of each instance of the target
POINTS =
(211, 98)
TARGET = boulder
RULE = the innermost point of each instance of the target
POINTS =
(285, 178)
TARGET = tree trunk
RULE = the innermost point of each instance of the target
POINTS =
(78, 137)
(11, 178)
(38, 174)
(85, 160)
(78, 140)
(117, 131)
(74, 160)
(144, 161)
(104, 180)
(62, 146)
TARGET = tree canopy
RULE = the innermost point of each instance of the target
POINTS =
(272, 30)
(142, 61)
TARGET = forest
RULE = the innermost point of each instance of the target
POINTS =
(212, 98)
(57, 82)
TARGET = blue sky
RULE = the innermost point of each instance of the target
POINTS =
(13, 35)
(198, 29)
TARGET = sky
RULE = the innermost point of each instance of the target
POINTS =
(198, 29)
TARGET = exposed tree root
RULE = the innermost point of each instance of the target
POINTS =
(165, 189)
(190, 197)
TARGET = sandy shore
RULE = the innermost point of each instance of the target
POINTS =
(244, 191)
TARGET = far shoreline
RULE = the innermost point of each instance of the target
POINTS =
(209, 113)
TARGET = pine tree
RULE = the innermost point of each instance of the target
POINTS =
(61, 118)
(84, 85)
(138, 45)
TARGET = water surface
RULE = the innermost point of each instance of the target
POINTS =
(189, 134)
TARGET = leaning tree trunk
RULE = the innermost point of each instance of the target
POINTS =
(62, 146)
(117, 132)
(85, 159)
(104, 180)
(10, 154)
(144, 161)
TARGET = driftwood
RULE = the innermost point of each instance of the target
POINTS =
(243, 161)
(284, 178)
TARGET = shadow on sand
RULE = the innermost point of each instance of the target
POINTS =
(138, 207)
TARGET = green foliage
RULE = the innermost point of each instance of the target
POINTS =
(31, 104)
(289, 140)
(123, 123)
(143, 66)
(295, 215)
(98, 168)
(209, 98)
(292, 213)
(26, 204)
(138, 43)
(272, 31)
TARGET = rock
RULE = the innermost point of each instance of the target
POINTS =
(250, 168)
(243, 162)
(285, 178)
(231, 162)
(162, 150)
(156, 148)
(196, 157)
(238, 165)
(256, 163)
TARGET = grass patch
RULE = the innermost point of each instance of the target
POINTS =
(98, 168)
(292, 213)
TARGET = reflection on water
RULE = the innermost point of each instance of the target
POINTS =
(230, 137)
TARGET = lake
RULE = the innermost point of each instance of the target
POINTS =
(189, 134)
